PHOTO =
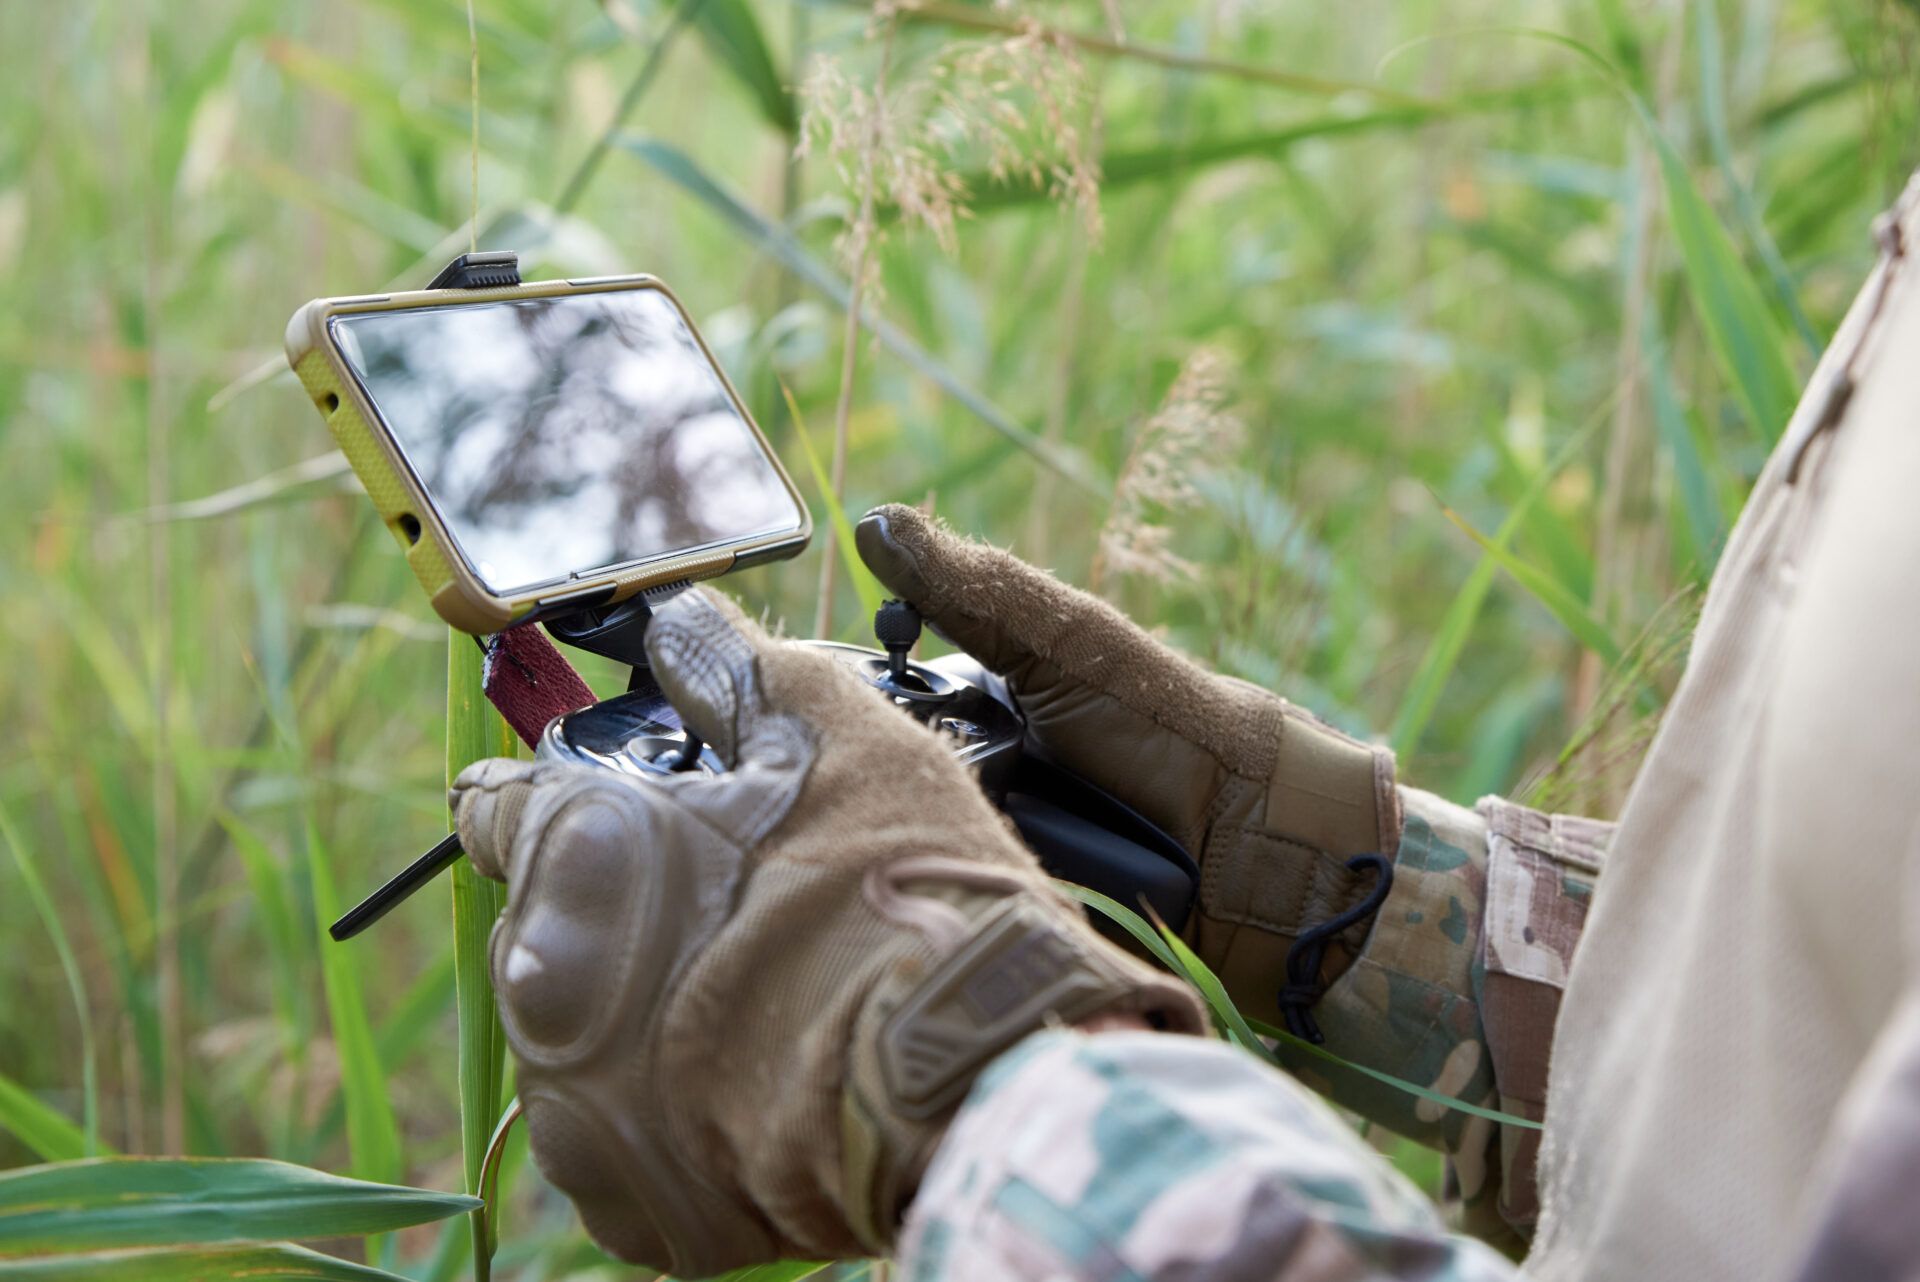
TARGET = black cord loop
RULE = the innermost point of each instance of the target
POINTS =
(1303, 987)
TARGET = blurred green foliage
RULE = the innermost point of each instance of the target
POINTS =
(1554, 270)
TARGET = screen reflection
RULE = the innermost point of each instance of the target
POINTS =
(563, 435)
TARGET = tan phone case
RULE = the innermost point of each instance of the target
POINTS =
(457, 593)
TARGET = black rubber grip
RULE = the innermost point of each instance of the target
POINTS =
(896, 625)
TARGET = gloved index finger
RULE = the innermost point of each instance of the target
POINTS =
(988, 602)
(1100, 694)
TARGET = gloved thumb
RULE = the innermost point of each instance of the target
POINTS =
(490, 799)
(705, 654)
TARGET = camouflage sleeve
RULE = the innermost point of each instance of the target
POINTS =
(1146, 1157)
(1458, 986)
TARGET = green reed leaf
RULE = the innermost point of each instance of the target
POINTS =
(1713, 102)
(1741, 331)
(474, 731)
(734, 38)
(373, 1133)
(1173, 952)
(871, 593)
(784, 1271)
(983, 18)
(140, 1201)
(76, 989)
(201, 1264)
(1122, 167)
(1450, 639)
(1550, 592)
(39, 1126)
(1746, 341)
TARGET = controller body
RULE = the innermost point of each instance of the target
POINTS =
(1080, 833)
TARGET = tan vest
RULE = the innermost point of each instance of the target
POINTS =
(1749, 938)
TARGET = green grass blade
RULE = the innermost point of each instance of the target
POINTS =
(373, 1135)
(1741, 331)
(204, 1264)
(784, 1271)
(136, 1201)
(118, 676)
(1713, 114)
(1745, 340)
(348, 202)
(1201, 976)
(1302, 1046)
(1174, 953)
(784, 248)
(734, 38)
(267, 882)
(1687, 443)
(445, 26)
(474, 731)
(70, 968)
(1128, 920)
(1560, 602)
(1248, 1033)
(871, 593)
(1444, 650)
(1450, 640)
(366, 90)
(40, 1126)
(412, 1018)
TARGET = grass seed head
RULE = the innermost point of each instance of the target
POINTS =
(1019, 106)
(1193, 424)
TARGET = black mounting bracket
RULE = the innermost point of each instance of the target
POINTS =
(493, 269)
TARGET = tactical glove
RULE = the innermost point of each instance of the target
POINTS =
(744, 1006)
(1272, 803)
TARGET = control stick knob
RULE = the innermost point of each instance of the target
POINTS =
(896, 625)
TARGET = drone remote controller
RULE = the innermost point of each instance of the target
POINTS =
(1080, 833)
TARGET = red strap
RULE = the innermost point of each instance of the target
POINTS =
(530, 681)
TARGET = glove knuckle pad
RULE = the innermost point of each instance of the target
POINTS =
(564, 958)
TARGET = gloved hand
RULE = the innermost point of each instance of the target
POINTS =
(1271, 802)
(744, 1006)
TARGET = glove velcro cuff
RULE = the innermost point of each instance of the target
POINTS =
(1028, 961)
(1330, 792)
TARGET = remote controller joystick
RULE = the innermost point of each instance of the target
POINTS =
(896, 626)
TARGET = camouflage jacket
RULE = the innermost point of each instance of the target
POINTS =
(1458, 989)
(1124, 1156)
(1139, 1156)
(1075, 1158)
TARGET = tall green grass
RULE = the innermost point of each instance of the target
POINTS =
(1416, 239)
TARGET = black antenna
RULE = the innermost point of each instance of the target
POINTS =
(388, 897)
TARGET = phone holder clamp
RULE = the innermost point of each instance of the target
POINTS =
(492, 269)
